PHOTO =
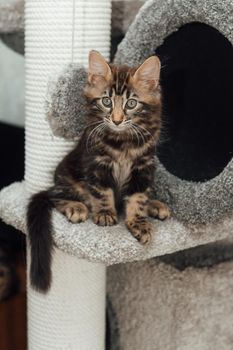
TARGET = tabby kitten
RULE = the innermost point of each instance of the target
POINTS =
(111, 167)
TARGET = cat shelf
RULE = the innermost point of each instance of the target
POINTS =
(112, 245)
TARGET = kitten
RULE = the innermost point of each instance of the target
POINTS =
(111, 167)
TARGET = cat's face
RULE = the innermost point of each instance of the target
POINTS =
(122, 99)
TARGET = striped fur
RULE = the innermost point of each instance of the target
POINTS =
(112, 166)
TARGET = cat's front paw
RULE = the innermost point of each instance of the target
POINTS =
(141, 230)
(77, 213)
(105, 218)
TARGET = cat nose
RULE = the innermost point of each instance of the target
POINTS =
(117, 122)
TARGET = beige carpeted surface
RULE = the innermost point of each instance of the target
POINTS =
(156, 307)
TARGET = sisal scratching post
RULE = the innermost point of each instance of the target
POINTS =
(72, 314)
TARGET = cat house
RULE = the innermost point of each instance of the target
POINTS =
(194, 176)
(187, 299)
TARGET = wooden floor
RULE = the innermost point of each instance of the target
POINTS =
(13, 315)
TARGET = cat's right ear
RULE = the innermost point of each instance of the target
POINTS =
(98, 68)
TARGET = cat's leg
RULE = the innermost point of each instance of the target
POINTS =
(75, 211)
(158, 209)
(103, 206)
(136, 208)
(137, 197)
(71, 199)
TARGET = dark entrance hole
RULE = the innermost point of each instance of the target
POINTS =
(197, 81)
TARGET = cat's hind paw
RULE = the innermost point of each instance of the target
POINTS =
(76, 213)
(141, 230)
(105, 218)
(158, 210)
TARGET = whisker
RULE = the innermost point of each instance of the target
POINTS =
(97, 132)
(127, 122)
(107, 120)
(139, 133)
(131, 134)
(99, 122)
(147, 132)
(135, 132)
(92, 133)
(144, 129)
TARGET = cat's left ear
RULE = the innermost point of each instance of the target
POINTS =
(148, 73)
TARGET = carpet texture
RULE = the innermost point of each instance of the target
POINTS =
(156, 307)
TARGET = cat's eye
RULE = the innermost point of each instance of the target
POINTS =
(131, 103)
(107, 102)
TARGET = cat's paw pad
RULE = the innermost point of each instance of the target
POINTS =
(159, 210)
(105, 218)
(141, 230)
(77, 213)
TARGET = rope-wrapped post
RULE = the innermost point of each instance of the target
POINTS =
(72, 314)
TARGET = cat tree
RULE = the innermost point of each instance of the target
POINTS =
(202, 210)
